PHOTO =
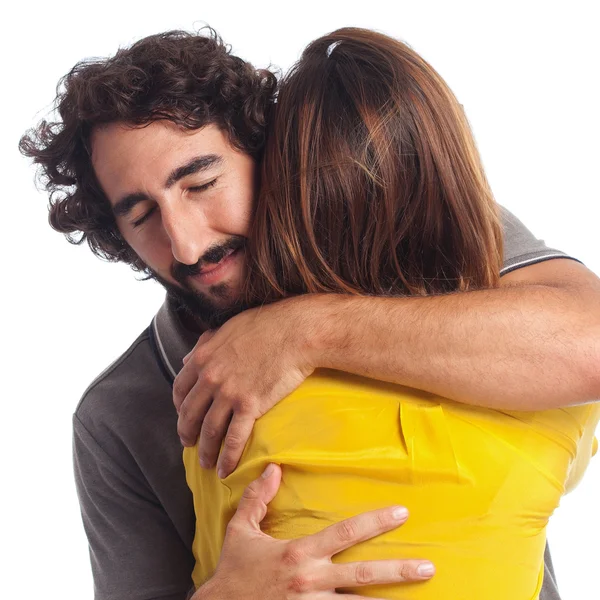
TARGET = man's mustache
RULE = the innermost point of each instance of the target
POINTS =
(213, 255)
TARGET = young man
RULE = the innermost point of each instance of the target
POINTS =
(155, 159)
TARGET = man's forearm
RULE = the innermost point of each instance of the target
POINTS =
(524, 347)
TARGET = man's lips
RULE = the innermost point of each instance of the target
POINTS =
(212, 272)
(212, 267)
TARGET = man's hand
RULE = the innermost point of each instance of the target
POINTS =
(258, 567)
(235, 375)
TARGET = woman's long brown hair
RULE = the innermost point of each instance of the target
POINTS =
(371, 180)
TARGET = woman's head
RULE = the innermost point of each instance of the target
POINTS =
(371, 180)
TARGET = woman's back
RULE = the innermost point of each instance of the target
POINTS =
(371, 184)
(480, 484)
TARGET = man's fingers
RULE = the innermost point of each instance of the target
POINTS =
(192, 412)
(377, 572)
(184, 382)
(253, 504)
(237, 435)
(214, 427)
(347, 533)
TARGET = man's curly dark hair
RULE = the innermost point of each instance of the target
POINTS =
(190, 79)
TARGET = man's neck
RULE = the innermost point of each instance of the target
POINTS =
(191, 323)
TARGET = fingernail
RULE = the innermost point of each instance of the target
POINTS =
(221, 473)
(400, 513)
(204, 463)
(268, 471)
(425, 570)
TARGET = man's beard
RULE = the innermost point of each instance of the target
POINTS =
(198, 306)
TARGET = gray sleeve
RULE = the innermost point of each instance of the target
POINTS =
(135, 550)
(521, 247)
(549, 588)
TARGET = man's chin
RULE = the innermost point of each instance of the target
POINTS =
(206, 311)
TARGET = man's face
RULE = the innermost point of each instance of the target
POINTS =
(183, 202)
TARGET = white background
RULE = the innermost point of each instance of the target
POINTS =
(527, 74)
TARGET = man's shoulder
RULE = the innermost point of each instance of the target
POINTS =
(131, 390)
(130, 360)
(521, 247)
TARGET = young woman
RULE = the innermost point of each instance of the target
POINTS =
(372, 185)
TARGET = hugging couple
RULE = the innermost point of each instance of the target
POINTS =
(383, 381)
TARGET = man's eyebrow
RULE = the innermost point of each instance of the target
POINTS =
(196, 165)
(125, 204)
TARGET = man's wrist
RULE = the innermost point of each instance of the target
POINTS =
(208, 591)
(325, 328)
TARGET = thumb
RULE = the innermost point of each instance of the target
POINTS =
(253, 504)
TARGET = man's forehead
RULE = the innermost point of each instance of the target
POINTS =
(117, 140)
(126, 156)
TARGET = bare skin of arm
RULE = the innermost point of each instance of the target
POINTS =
(531, 344)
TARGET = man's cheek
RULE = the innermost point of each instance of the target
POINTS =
(153, 248)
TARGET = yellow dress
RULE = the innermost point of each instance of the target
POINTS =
(480, 484)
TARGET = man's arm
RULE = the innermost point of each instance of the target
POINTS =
(533, 343)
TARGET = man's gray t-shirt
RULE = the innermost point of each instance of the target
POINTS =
(136, 507)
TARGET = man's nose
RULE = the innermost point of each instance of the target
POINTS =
(185, 234)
